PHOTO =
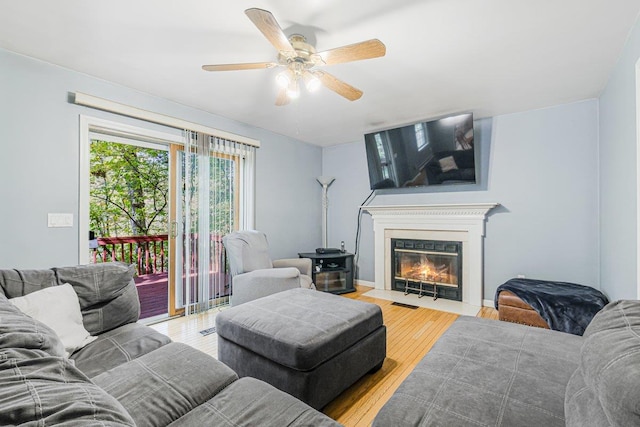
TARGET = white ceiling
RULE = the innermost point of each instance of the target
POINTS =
(443, 56)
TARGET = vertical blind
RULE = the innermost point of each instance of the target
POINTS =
(216, 182)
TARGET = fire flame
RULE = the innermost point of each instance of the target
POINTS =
(426, 271)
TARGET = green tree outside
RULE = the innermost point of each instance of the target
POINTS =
(129, 190)
(129, 195)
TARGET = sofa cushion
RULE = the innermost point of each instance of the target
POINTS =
(251, 402)
(106, 298)
(610, 365)
(58, 308)
(38, 389)
(16, 283)
(294, 327)
(116, 347)
(487, 373)
(17, 330)
(582, 406)
(167, 383)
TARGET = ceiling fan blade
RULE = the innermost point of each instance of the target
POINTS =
(234, 67)
(282, 98)
(373, 48)
(338, 86)
(268, 26)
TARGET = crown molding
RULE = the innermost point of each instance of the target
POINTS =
(461, 210)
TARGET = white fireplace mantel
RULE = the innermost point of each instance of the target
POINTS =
(464, 222)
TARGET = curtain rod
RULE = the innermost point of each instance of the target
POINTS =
(137, 113)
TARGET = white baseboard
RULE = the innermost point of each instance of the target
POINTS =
(487, 303)
(365, 283)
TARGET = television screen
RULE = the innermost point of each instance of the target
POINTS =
(428, 153)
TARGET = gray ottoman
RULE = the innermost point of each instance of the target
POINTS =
(310, 344)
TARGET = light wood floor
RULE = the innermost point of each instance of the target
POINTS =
(187, 330)
(410, 335)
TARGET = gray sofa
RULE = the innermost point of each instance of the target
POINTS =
(130, 375)
(490, 373)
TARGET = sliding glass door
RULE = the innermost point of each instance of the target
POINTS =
(212, 176)
(164, 202)
(207, 208)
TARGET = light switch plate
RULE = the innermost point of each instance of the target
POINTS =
(56, 220)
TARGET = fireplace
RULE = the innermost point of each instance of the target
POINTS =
(427, 267)
(462, 223)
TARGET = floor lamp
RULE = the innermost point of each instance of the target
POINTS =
(325, 181)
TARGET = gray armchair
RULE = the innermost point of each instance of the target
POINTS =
(254, 274)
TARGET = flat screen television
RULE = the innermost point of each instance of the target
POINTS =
(435, 152)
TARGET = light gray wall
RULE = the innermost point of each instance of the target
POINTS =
(542, 168)
(619, 176)
(289, 197)
(39, 164)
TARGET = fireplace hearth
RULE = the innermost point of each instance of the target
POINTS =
(427, 267)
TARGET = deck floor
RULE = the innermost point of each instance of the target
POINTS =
(153, 292)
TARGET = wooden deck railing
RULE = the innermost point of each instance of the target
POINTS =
(150, 254)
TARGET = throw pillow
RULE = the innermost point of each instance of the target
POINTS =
(448, 164)
(58, 308)
(96, 283)
(107, 294)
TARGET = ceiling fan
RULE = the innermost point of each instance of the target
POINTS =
(299, 59)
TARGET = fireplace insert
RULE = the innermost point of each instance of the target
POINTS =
(430, 267)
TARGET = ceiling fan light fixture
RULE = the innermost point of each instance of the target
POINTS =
(312, 82)
(299, 57)
(283, 79)
(293, 91)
